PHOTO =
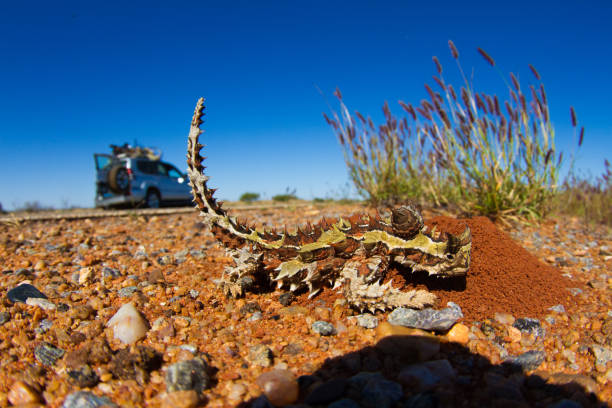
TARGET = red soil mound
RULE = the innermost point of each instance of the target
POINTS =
(503, 276)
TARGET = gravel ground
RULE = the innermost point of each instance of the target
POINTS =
(125, 312)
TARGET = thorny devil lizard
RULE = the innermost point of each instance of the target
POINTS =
(352, 254)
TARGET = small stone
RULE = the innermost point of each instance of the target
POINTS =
(86, 399)
(529, 325)
(602, 354)
(414, 346)
(575, 291)
(286, 298)
(82, 312)
(155, 276)
(565, 403)
(165, 260)
(47, 353)
(255, 316)
(427, 319)
(504, 318)
(514, 334)
(181, 399)
(110, 272)
(83, 377)
(323, 328)
(22, 393)
(279, 386)
(194, 293)
(261, 355)
(236, 391)
(366, 320)
(344, 403)
(558, 309)
(128, 324)
(250, 307)
(44, 304)
(459, 333)
(529, 360)
(327, 392)
(381, 393)
(188, 375)
(4, 317)
(85, 275)
(127, 291)
(24, 291)
(44, 326)
(584, 381)
(136, 365)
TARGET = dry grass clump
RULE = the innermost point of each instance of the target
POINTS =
(460, 147)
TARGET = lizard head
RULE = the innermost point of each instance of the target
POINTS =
(438, 254)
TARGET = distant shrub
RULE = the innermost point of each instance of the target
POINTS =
(249, 197)
(33, 206)
(590, 200)
(287, 196)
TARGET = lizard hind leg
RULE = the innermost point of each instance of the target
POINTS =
(238, 279)
(365, 292)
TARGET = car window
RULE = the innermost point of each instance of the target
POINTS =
(145, 166)
(160, 169)
(173, 172)
(102, 161)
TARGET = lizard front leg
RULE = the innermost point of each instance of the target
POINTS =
(236, 280)
(361, 286)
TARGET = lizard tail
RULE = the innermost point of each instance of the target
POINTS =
(202, 195)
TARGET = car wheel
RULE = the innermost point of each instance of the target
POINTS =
(118, 179)
(152, 199)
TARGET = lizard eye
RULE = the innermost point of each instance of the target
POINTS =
(450, 257)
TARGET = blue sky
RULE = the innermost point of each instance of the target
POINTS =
(78, 76)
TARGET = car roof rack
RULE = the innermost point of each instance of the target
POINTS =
(126, 150)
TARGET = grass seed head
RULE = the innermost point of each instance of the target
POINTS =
(486, 56)
(453, 49)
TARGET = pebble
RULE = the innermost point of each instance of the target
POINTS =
(414, 346)
(128, 324)
(344, 403)
(557, 309)
(85, 275)
(427, 319)
(22, 292)
(279, 386)
(83, 377)
(326, 392)
(603, 355)
(529, 325)
(323, 328)
(44, 304)
(286, 298)
(459, 333)
(127, 291)
(4, 317)
(188, 375)
(47, 353)
(380, 393)
(504, 318)
(261, 355)
(366, 320)
(110, 272)
(181, 399)
(255, 316)
(530, 360)
(44, 326)
(86, 399)
(22, 393)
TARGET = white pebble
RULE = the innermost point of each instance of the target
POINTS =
(128, 324)
(41, 302)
